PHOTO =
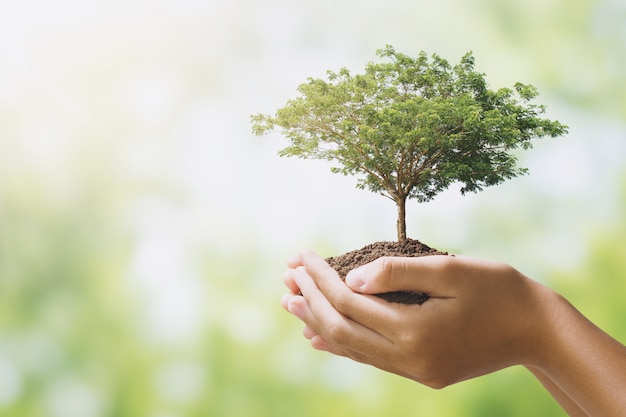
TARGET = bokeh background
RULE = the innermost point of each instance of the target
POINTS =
(143, 228)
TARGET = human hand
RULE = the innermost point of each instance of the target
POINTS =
(481, 316)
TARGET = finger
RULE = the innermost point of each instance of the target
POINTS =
(289, 281)
(375, 360)
(284, 301)
(427, 274)
(308, 332)
(316, 340)
(319, 344)
(297, 306)
(371, 312)
(370, 358)
(332, 326)
(294, 262)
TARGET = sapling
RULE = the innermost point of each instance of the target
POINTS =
(408, 128)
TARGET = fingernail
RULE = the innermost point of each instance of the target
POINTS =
(355, 279)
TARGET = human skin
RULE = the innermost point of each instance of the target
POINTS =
(482, 316)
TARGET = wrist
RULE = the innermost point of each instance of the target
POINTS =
(534, 317)
(547, 339)
(582, 360)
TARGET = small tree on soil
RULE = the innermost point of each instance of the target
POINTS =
(410, 127)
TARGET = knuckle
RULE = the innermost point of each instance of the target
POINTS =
(344, 301)
(341, 302)
(387, 266)
(326, 269)
(448, 265)
(336, 331)
(390, 268)
(449, 268)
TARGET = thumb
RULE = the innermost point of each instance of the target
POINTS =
(388, 274)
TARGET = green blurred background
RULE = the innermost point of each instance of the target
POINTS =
(143, 229)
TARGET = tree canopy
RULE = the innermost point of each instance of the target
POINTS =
(408, 128)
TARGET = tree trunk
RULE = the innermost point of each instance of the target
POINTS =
(401, 223)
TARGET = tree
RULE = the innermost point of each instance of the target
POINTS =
(410, 127)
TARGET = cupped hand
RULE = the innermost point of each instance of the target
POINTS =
(481, 316)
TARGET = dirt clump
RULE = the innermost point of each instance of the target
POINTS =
(408, 248)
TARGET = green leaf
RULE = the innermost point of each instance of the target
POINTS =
(410, 127)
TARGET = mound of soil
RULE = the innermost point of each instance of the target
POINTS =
(409, 248)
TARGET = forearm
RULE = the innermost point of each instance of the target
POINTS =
(583, 362)
(572, 409)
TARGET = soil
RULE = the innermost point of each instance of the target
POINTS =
(409, 248)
